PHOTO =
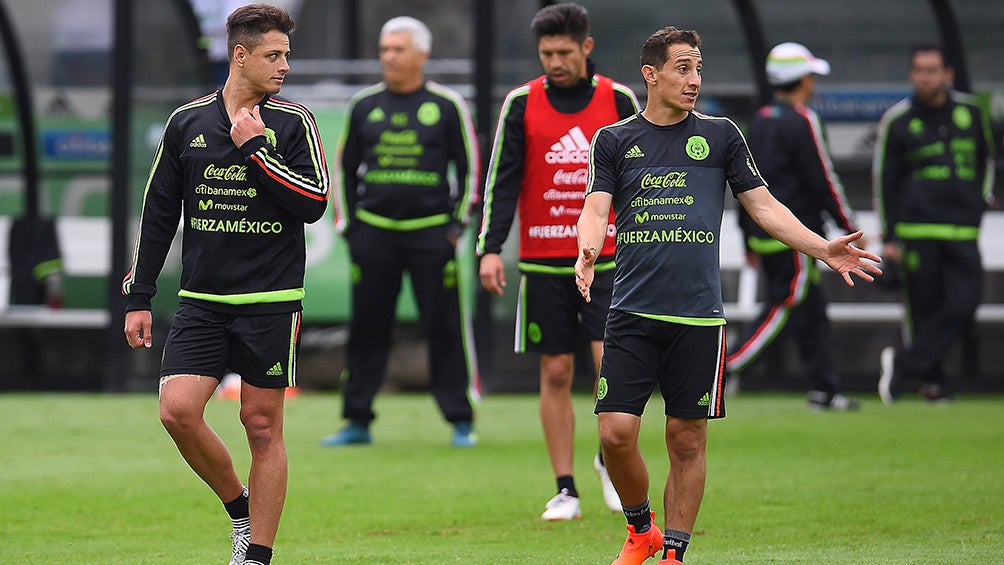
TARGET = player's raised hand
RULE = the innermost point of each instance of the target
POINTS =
(247, 125)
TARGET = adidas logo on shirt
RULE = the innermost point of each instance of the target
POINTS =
(275, 371)
(634, 153)
(199, 141)
(573, 147)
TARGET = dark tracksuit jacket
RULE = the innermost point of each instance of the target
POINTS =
(242, 210)
(399, 208)
(789, 144)
(933, 176)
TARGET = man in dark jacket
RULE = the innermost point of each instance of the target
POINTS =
(245, 170)
(399, 211)
(787, 140)
(933, 177)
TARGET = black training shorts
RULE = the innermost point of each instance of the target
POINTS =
(551, 314)
(686, 362)
(261, 349)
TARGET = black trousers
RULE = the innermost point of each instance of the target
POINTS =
(942, 288)
(380, 257)
(795, 306)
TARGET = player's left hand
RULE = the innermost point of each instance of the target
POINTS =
(248, 125)
(846, 259)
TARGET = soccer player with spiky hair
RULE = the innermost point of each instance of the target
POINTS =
(244, 170)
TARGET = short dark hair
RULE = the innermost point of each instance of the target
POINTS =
(561, 19)
(789, 86)
(246, 25)
(656, 48)
(928, 47)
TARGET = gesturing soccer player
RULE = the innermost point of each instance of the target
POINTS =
(245, 170)
(664, 171)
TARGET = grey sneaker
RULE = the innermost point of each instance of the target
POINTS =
(241, 537)
(819, 400)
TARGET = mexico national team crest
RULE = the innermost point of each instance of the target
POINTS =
(428, 114)
(697, 148)
(962, 118)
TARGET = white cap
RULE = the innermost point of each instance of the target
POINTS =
(791, 61)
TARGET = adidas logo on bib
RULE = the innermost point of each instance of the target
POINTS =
(573, 147)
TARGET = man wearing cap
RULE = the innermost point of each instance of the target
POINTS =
(787, 140)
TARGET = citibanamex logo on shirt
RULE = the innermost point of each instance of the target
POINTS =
(573, 147)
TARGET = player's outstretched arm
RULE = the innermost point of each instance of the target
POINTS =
(839, 254)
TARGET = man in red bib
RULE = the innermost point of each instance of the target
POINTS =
(539, 166)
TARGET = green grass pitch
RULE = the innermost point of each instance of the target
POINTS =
(94, 479)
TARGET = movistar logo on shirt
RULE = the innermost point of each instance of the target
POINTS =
(634, 153)
(646, 216)
(562, 210)
(199, 141)
(573, 147)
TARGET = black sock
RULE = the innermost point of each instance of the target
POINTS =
(639, 516)
(238, 507)
(567, 482)
(259, 554)
(675, 539)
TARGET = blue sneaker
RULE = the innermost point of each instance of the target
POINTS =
(352, 434)
(463, 435)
